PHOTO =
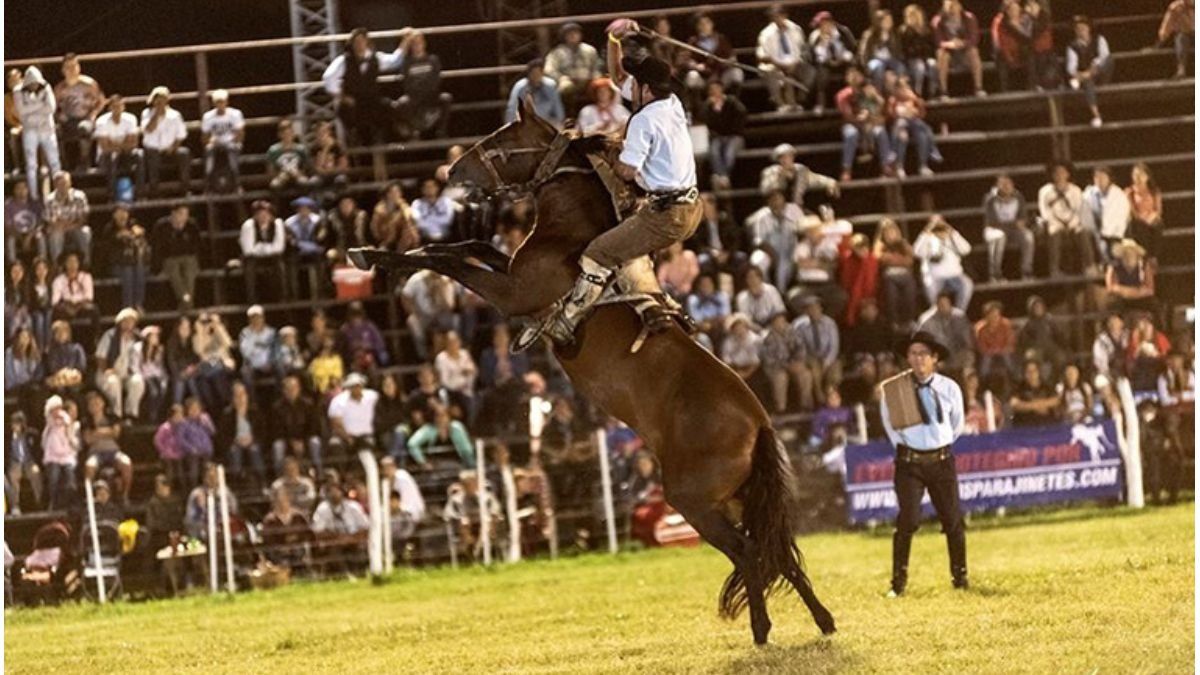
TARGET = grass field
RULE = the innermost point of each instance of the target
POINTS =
(1082, 591)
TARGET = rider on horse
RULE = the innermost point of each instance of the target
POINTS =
(658, 156)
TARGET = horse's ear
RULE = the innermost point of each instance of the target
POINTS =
(525, 111)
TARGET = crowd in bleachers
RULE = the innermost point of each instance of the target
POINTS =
(801, 306)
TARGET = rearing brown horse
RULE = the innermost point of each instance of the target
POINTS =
(722, 467)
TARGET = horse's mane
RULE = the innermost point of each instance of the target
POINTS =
(605, 145)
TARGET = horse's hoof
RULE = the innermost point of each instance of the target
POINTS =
(358, 256)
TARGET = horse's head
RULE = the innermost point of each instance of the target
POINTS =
(508, 159)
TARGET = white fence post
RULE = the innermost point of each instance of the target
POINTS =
(385, 517)
(211, 508)
(226, 536)
(610, 518)
(538, 407)
(97, 560)
(374, 533)
(510, 512)
(1133, 445)
(989, 408)
(860, 418)
(485, 502)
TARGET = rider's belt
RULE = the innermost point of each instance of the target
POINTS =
(668, 198)
(914, 456)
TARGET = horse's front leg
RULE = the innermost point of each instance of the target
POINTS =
(497, 288)
(480, 250)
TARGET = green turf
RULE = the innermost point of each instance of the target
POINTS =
(1082, 591)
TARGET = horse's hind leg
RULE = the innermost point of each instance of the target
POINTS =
(745, 584)
(796, 576)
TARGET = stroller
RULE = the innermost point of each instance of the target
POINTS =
(50, 573)
(110, 560)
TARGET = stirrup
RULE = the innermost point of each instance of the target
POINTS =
(527, 337)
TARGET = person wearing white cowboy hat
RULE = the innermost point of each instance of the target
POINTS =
(222, 130)
(352, 416)
(256, 343)
(1130, 279)
(792, 178)
(163, 135)
(118, 372)
(740, 350)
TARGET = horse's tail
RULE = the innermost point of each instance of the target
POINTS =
(768, 504)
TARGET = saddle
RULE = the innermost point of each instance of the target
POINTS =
(636, 285)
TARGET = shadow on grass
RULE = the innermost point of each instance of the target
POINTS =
(819, 655)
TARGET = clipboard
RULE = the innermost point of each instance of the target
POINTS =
(901, 398)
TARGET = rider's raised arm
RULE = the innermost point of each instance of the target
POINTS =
(617, 30)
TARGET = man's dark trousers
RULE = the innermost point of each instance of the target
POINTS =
(940, 478)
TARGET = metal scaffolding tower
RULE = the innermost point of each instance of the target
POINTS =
(311, 18)
(518, 46)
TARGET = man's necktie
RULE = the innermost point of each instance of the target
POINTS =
(929, 401)
(816, 339)
(784, 46)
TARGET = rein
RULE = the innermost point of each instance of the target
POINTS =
(547, 170)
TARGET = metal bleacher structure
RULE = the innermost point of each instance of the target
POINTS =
(1147, 118)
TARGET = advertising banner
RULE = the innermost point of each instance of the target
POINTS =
(1011, 468)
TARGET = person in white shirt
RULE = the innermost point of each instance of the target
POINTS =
(658, 155)
(1060, 208)
(340, 522)
(457, 372)
(434, 213)
(117, 150)
(403, 484)
(263, 242)
(606, 114)
(782, 52)
(352, 79)
(941, 249)
(759, 300)
(774, 232)
(163, 134)
(352, 415)
(1105, 212)
(223, 128)
(35, 105)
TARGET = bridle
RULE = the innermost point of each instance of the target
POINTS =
(547, 170)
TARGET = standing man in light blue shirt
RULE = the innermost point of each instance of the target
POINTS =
(924, 460)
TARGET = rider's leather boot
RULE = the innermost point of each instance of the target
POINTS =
(571, 309)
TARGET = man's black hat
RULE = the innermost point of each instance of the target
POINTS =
(925, 338)
(650, 71)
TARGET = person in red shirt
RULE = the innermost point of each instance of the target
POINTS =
(996, 342)
(858, 274)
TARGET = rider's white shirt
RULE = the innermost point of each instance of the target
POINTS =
(659, 145)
